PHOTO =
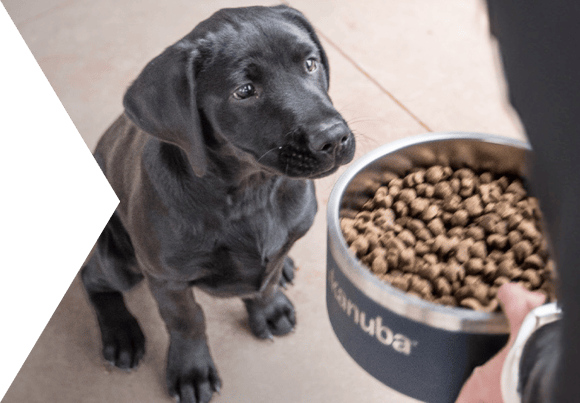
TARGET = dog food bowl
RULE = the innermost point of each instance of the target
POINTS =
(421, 349)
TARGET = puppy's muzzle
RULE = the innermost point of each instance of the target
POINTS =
(318, 152)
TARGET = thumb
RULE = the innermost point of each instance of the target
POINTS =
(517, 303)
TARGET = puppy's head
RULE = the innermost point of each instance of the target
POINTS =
(255, 79)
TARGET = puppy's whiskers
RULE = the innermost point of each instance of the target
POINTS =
(269, 151)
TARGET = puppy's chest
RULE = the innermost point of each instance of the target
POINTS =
(263, 219)
(254, 230)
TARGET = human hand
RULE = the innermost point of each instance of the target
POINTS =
(483, 386)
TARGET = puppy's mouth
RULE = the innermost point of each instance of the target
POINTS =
(299, 161)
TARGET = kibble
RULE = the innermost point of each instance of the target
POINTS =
(452, 237)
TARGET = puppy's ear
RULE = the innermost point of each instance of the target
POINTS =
(299, 19)
(161, 101)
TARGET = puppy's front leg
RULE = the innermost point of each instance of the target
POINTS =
(191, 374)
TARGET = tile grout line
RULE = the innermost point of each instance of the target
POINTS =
(375, 82)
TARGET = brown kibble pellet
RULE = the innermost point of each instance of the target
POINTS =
(497, 241)
(448, 245)
(407, 259)
(500, 228)
(400, 282)
(422, 248)
(489, 208)
(474, 266)
(473, 205)
(401, 208)
(421, 286)
(394, 190)
(526, 209)
(442, 190)
(386, 237)
(379, 265)
(418, 205)
(431, 272)
(425, 190)
(489, 269)
(384, 201)
(431, 212)
(395, 244)
(434, 174)
(455, 185)
(507, 268)
(407, 237)
(486, 177)
(528, 230)
(396, 182)
(431, 258)
(522, 250)
(419, 177)
(453, 271)
(514, 237)
(415, 225)
(463, 173)
(409, 180)
(424, 234)
(460, 218)
(496, 255)
(533, 262)
(514, 220)
(475, 232)
(446, 300)
(386, 220)
(503, 183)
(436, 226)
(499, 281)
(442, 286)
(393, 258)
(488, 221)
(452, 203)
(407, 195)
(462, 250)
(532, 277)
(474, 304)
(446, 217)
(360, 246)
(478, 250)
(504, 209)
(467, 187)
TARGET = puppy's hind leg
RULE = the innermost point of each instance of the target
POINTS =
(108, 273)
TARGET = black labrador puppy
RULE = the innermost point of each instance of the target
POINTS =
(213, 162)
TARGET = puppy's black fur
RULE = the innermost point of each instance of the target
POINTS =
(212, 162)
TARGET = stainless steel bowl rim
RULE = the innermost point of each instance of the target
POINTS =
(435, 315)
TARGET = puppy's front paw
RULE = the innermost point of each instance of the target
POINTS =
(274, 317)
(287, 272)
(191, 373)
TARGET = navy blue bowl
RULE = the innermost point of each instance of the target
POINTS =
(421, 349)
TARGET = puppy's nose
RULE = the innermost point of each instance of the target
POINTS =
(329, 139)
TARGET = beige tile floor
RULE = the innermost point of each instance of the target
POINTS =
(398, 68)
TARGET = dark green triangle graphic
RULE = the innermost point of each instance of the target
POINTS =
(55, 201)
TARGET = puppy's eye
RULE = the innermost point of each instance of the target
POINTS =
(311, 65)
(244, 92)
